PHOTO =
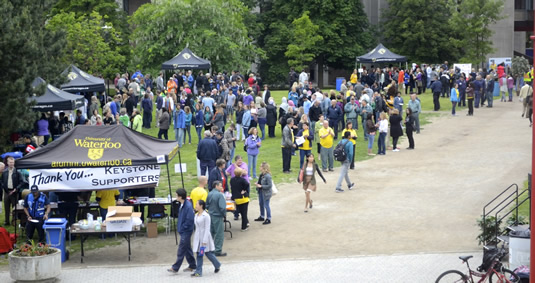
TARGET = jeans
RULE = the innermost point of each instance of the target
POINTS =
(163, 132)
(199, 132)
(416, 117)
(327, 156)
(381, 144)
(251, 163)
(302, 154)
(510, 95)
(103, 212)
(286, 158)
(184, 250)
(239, 129)
(365, 129)
(187, 133)
(470, 106)
(453, 104)
(436, 101)
(217, 229)
(334, 125)
(179, 136)
(231, 157)
(261, 202)
(267, 208)
(211, 257)
(206, 166)
(477, 99)
(262, 126)
(352, 165)
(490, 98)
(371, 138)
(343, 174)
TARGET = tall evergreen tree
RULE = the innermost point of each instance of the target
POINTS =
(27, 50)
(420, 30)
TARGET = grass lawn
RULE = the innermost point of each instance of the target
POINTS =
(269, 152)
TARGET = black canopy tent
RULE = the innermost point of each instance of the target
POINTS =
(54, 99)
(380, 54)
(81, 81)
(186, 60)
(103, 146)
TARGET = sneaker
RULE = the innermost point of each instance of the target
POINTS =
(217, 270)
(395, 150)
(221, 254)
(259, 219)
(267, 222)
(196, 275)
(189, 269)
(350, 187)
(236, 218)
(331, 170)
(324, 170)
(172, 270)
(243, 230)
(339, 190)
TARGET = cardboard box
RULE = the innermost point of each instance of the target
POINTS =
(152, 230)
(119, 218)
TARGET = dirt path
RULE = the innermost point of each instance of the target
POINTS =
(420, 201)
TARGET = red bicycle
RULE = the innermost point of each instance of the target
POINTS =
(491, 268)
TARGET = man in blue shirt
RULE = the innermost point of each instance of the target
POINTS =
(186, 222)
(348, 148)
(36, 208)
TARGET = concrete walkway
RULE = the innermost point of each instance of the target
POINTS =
(389, 268)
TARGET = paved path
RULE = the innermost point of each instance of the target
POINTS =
(416, 268)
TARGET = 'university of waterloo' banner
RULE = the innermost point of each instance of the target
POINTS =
(82, 179)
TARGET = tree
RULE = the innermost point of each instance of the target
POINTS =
(519, 66)
(419, 29)
(110, 13)
(471, 20)
(301, 53)
(212, 29)
(27, 50)
(87, 43)
(343, 26)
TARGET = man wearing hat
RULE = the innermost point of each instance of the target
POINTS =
(36, 208)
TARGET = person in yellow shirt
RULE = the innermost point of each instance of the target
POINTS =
(353, 139)
(326, 142)
(306, 147)
(354, 78)
(200, 191)
(105, 199)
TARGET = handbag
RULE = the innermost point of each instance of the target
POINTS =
(274, 189)
(300, 178)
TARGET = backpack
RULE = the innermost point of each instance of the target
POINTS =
(488, 259)
(340, 153)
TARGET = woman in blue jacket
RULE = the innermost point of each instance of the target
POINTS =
(454, 97)
(189, 116)
(252, 144)
(199, 120)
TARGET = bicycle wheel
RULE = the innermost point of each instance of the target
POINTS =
(509, 275)
(452, 276)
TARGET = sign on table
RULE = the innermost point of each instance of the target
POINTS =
(95, 178)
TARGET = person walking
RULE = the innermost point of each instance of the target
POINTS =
(253, 144)
(326, 141)
(383, 129)
(186, 221)
(217, 208)
(395, 129)
(409, 127)
(287, 144)
(454, 97)
(510, 86)
(203, 244)
(470, 98)
(353, 139)
(264, 189)
(309, 169)
(240, 190)
(436, 88)
(344, 170)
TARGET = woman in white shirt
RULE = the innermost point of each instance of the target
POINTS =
(309, 178)
(383, 129)
(203, 244)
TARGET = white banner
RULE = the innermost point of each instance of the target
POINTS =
(97, 178)
(465, 68)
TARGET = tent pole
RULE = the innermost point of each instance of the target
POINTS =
(181, 174)
(169, 184)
